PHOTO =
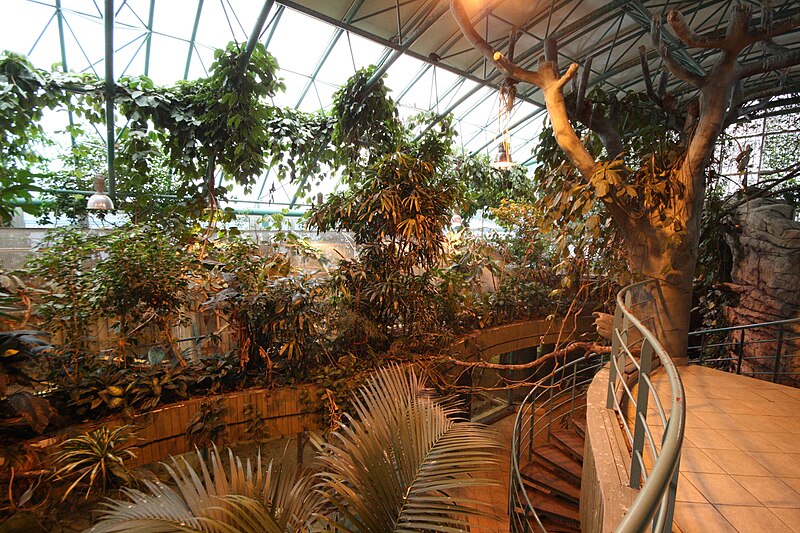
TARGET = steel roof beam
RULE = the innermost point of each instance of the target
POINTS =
(257, 27)
(192, 38)
(60, 20)
(337, 34)
(149, 37)
(108, 24)
(418, 76)
(636, 10)
(425, 23)
(274, 26)
(559, 33)
(524, 120)
(385, 42)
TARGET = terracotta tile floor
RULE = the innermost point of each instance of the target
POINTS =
(740, 469)
(741, 460)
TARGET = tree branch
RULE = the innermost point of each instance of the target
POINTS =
(648, 82)
(768, 64)
(580, 94)
(678, 70)
(688, 36)
(739, 99)
(574, 349)
(546, 78)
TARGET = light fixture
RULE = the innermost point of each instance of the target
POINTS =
(100, 200)
(503, 160)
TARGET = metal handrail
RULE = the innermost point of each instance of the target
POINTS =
(655, 502)
(546, 404)
(556, 398)
(772, 363)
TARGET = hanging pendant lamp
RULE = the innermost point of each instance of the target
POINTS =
(100, 200)
(503, 160)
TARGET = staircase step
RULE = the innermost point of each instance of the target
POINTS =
(559, 462)
(555, 509)
(538, 478)
(550, 525)
(580, 427)
(570, 441)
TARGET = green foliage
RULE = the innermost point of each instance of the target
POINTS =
(644, 183)
(255, 422)
(399, 201)
(175, 137)
(365, 119)
(246, 498)
(486, 187)
(208, 426)
(97, 458)
(277, 310)
(398, 213)
(400, 210)
(142, 277)
(301, 147)
(394, 468)
(282, 322)
(219, 120)
(96, 388)
(63, 262)
(402, 453)
(24, 96)
(136, 274)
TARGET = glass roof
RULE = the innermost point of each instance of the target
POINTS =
(171, 40)
(320, 43)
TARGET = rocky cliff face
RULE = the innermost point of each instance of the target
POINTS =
(766, 278)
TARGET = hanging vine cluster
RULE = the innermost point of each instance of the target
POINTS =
(212, 130)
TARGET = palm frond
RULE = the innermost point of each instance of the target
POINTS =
(244, 499)
(394, 466)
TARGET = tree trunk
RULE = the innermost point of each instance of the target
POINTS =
(664, 308)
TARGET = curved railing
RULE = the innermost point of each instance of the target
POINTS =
(629, 390)
(656, 499)
(552, 403)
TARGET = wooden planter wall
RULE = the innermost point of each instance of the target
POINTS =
(488, 343)
(288, 411)
(162, 431)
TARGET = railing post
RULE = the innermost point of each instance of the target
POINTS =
(574, 387)
(779, 348)
(550, 404)
(673, 491)
(642, 395)
(532, 427)
(616, 334)
(740, 351)
(702, 356)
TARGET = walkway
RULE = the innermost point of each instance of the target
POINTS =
(740, 467)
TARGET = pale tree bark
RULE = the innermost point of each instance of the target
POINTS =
(666, 253)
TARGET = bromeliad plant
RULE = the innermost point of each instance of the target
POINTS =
(97, 459)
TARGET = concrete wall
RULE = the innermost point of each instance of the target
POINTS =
(605, 494)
